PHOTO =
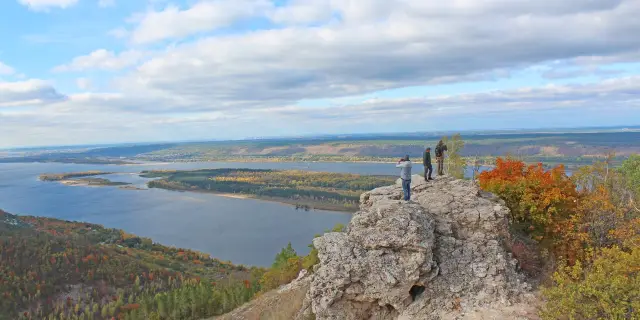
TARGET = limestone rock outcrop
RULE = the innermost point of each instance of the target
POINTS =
(439, 254)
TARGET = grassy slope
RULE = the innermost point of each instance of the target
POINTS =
(272, 305)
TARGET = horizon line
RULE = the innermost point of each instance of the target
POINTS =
(329, 135)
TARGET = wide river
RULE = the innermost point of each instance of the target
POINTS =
(244, 231)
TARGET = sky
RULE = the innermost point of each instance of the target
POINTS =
(110, 71)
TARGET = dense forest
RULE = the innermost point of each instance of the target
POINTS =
(336, 191)
(579, 236)
(53, 269)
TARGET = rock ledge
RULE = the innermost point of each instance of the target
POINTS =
(435, 257)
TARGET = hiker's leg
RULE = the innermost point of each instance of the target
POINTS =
(404, 190)
(408, 190)
(430, 170)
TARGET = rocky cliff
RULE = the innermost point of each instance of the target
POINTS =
(438, 256)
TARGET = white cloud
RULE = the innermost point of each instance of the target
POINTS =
(28, 93)
(376, 45)
(119, 33)
(302, 12)
(106, 3)
(235, 84)
(172, 22)
(83, 83)
(620, 95)
(6, 70)
(102, 59)
(109, 117)
(45, 4)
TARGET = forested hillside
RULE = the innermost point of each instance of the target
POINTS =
(53, 269)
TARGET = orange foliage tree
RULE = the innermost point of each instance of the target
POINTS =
(543, 203)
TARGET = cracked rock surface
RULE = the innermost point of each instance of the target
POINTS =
(437, 255)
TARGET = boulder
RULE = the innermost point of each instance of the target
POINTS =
(439, 253)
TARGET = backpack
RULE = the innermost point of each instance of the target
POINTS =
(438, 151)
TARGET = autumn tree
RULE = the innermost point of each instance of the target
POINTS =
(606, 288)
(542, 202)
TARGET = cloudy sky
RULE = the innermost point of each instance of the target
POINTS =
(102, 71)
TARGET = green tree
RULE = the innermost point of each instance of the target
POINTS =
(630, 169)
(162, 307)
(283, 257)
(455, 164)
(609, 288)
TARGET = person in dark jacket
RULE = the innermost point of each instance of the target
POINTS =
(440, 149)
(426, 161)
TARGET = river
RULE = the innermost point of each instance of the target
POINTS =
(243, 231)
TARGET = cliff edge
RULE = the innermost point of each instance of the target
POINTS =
(438, 256)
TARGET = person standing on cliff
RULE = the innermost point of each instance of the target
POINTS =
(405, 175)
(440, 149)
(426, 161)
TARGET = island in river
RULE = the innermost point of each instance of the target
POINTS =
(94, 182)
(82, 179)
(304, 189)
(70, 175)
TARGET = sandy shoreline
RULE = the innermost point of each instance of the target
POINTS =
(229, 195)
(76, 183)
